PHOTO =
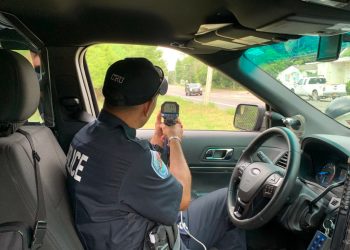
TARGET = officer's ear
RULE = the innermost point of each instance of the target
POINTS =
(147, 107)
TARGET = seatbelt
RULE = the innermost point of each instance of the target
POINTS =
(40, 217)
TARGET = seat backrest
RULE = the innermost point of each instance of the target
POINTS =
(19, 98)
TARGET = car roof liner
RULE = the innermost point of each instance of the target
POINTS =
(176, 23)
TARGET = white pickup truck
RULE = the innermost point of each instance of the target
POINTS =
(317, 88)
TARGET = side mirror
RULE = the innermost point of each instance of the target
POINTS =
(248, 117)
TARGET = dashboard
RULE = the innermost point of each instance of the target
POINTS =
(323, 162)
(323, 159)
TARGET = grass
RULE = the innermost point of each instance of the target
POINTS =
(194, 116)
(35, 117)
(197, 116)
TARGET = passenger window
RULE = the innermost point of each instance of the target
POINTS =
(34, 59)
(206, 103)
(313, 81)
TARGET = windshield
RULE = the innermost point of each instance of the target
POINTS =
(322, 84)
(194, 85)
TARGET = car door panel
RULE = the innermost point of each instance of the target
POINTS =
(209, 175)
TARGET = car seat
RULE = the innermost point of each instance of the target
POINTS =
(19, 98)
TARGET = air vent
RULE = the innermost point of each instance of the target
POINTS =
(282, 162)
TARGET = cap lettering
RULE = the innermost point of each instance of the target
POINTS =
(117, 78)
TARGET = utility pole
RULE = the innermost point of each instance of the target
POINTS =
(208, 85)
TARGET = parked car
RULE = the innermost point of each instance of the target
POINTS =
(318, 88)
(193, 89)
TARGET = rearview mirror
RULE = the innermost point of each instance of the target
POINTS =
(248, 117)
(329, 48)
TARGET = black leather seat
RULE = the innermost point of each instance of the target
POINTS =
(19, 98)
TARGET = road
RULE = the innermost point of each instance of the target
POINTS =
(230, 99)
(222, 98)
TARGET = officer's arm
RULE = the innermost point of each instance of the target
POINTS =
(180, 170)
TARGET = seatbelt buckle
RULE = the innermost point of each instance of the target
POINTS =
(39, 234)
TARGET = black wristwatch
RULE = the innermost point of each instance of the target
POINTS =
(158, 148)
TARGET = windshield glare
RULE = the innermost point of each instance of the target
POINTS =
(325, 85)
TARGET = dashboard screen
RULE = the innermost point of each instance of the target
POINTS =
(324, 164)
(325, 174)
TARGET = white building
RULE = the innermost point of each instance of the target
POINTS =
(289, 76)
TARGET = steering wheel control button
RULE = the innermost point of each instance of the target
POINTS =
(268, 191)
(273, 179)
(242, 167)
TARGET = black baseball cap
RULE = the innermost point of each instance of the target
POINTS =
(133, 81)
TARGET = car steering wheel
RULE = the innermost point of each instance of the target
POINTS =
(258, 190)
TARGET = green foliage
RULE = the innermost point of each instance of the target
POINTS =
(26, 54)
(192, 70)
(277, 57)
(100, 57)
(194, 116)
(348, 87)
(171, 77)
(345, 52)
(35, 117)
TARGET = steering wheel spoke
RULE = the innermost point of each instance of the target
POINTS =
(241, 209)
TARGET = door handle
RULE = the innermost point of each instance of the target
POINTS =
(218, 154)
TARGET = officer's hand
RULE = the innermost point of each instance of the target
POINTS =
(158, 132)
(175, 130)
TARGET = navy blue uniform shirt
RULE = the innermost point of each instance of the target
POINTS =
(118, 186)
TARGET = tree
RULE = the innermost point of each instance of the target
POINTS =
(277, 57)
(192, 70)
(100, 57)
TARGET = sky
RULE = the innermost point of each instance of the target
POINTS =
(170, 56)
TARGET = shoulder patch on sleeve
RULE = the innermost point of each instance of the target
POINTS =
(158, 165)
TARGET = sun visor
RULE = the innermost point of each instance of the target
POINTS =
(230, 38)
(341, 4)
(251, 37)
(299, 25)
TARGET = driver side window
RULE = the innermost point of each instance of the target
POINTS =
(207, 98)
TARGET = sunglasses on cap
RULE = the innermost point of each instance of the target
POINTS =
(163, 86)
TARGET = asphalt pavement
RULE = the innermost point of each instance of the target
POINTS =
(221, 97)
(225, 99)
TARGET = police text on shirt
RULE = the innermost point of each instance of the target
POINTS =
(75, 163)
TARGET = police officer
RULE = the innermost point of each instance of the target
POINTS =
(118, 184)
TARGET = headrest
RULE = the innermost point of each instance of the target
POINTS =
(19, 89)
